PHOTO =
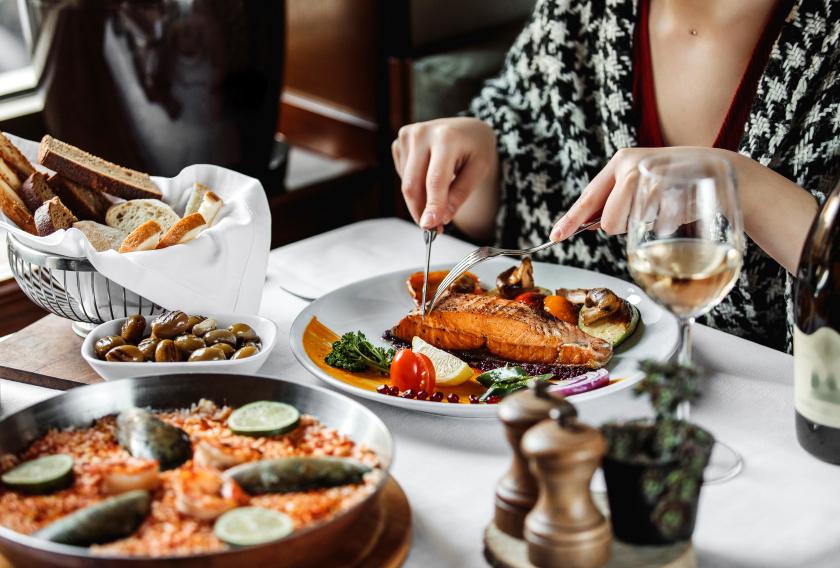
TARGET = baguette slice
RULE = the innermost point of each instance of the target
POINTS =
(144, 237)
(211, 204)
(8, 175)
(14, 208)
(52, 216)
(87, 203)
(35, 191)
(101, 237)
(15, 160)
(94, 172)
(198, 193)
(183, 231)
(129, 215)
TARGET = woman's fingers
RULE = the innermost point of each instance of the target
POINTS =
(467, 179)
(439, 177)
(617, 208)
(414, 180)
(587, 206)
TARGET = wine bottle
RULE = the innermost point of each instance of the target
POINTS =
(816, 340)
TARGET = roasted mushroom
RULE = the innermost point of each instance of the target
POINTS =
(516, 280)
(603, 314)
(466, 284)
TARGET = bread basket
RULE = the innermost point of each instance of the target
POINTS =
(72, 288)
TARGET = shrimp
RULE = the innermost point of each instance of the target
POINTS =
(129, 474)
(203, 494)
(220, 456)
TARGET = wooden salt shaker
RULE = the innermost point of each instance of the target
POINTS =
(565, 528)
(516, 492)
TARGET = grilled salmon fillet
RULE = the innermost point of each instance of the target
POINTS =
(510, 330)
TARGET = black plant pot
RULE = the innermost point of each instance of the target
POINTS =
(655, 503)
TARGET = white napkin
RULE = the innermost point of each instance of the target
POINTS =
(312, 267)
(223, 270)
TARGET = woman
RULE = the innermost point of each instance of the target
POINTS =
(592, 87)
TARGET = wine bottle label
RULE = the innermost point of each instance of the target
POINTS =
(816, 369)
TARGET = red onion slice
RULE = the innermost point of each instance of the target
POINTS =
(582, 383)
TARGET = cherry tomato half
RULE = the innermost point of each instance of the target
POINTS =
(429, 378)
(532, 299)
(414, 371)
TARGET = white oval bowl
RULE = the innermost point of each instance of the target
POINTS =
(108, 370)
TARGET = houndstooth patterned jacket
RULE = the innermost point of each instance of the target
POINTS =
(562, 105)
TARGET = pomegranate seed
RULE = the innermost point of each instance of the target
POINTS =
(453, 398)
(422, 395)
(493, 399)
(436, 397)
(408, 394)
(383, 389)
(473, 399)
(395, 391)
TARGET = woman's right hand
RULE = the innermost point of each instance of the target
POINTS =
(441, 163)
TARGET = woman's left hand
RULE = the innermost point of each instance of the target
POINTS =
(610, 193)
(777, 212)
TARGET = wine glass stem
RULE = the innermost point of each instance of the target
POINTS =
(684, 358)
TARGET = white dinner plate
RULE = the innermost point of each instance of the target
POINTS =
(377, 304)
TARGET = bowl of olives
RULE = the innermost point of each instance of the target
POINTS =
(176, 342)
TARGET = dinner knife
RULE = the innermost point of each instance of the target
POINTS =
(428, 237)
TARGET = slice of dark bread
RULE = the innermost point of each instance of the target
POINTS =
(86, 203)
(35, 191)
(94, 172)
(52, 216)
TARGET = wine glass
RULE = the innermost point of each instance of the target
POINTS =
(685, 243)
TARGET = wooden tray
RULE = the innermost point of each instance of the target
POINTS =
(46, 354)
(381, 539)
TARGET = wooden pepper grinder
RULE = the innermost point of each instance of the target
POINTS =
(516, 492)
(565, 529)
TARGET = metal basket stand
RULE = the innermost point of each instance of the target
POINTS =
(46, 278)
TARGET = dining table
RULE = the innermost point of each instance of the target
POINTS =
(782, 510)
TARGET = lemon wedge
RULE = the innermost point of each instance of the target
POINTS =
(450, 370)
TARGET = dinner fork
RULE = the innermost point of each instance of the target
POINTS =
(483, 253)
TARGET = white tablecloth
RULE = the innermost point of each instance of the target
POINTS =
(782, 510)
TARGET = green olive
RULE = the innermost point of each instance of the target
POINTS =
(220, 336)
(245, 352)
(244, 332)
(148, 346)
(171, 325)
(226, 348)
(207, 354)
(203, 327)
(188, 343)
(166, 352)
(133, 329)
(125, 354)
(192, 321)
(105, 344)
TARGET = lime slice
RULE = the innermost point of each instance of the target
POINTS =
(264, 418)
(449, 370)
(247, 526)
(41, 476)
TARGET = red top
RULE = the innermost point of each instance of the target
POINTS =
(732, 130)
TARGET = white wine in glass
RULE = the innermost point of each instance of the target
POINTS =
(685, 244)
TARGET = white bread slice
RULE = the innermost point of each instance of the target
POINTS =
(15, 209)
(9, 176)
(211, 204)
(145, 237)
(183, 231)
(198, 193)
(129, 215)
(101, 237)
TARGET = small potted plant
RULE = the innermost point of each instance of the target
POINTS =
(654, 468)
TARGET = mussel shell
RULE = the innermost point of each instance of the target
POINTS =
(146, 436)
(284, 475)
(106, 521)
